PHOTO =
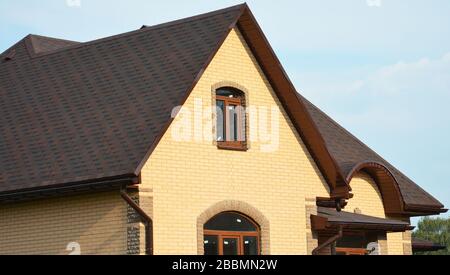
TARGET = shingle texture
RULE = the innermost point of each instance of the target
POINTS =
(94, 109)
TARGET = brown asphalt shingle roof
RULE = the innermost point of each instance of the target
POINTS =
(94, 109)
(71, 112)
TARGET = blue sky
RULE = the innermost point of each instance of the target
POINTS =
(379, 67)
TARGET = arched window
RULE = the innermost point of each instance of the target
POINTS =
(230, 128)
(231, 233)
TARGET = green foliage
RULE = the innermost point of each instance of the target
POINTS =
(436, 230)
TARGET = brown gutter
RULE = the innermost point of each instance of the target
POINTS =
(328, 242)
(146, 219)
(104, 184)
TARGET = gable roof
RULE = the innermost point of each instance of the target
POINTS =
(73, 112)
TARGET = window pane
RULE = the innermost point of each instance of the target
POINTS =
(220, 108)
(211, 245)
(230, 246)
(250, 246)
(230, 222)
(233, 123)
(242, 124)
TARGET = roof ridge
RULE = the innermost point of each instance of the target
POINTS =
(51, 38)
(125, 34)
(13, 46)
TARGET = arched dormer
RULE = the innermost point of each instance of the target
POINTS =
(383, 180)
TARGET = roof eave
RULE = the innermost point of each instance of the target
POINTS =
(103, 184)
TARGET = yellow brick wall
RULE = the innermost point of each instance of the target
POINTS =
(189, 177)
(96, 221)
(367, 198)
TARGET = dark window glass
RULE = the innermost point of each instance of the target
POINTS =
(229, 92)
(230, 222)
(250, 246)
(211, 245)
(354, 241)
(220, 107)
(230, 246)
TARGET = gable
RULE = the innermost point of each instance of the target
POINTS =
(283, 160)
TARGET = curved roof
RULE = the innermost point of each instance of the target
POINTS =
(72, 112)
(353, 156)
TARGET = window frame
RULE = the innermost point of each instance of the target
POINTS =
(223, 234)
(239, 102)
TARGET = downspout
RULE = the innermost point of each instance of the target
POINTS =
(146, 220)
(329, 241)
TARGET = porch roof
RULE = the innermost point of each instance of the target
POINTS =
(330, 219)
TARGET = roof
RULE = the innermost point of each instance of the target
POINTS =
(420, 245)
(93, 110)
(328, 219)
(73, 112)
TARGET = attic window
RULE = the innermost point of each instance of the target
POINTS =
(230, 127)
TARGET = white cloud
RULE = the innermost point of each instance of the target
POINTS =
(425, 76)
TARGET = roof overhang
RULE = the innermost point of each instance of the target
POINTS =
(331, 220)
(74, 188)
(419, 245)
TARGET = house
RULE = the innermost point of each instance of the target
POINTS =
(185, 138)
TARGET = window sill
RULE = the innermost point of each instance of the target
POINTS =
(233, 146)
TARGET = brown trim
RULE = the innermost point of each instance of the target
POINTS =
(329, 241)
(337, 203)
(419, 245)
(146, 219)
(387, 184)
(240, 235)
(424, 210)
(351, 251)
(323, 224)
(232, 145)
(80, 187)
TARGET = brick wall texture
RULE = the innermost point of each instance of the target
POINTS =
(97, 222)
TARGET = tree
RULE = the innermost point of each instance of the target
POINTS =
(436, 230)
